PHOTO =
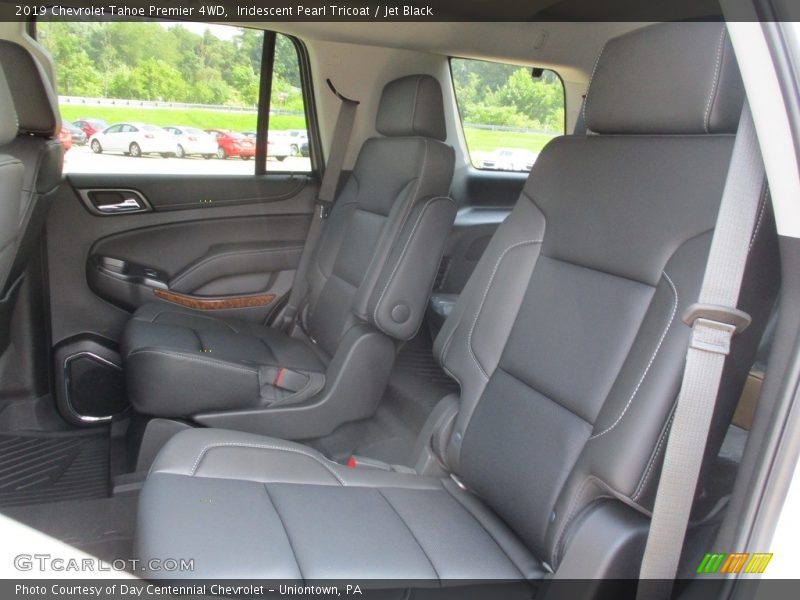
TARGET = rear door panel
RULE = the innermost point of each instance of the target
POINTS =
(204, 237)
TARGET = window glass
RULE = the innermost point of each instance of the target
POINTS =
(200, 80)
(507, 113)
(288, 135)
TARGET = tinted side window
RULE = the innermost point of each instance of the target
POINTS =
(508, 112)
(288, 132)
(184, 76)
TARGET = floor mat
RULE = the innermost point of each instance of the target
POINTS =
(38, 467)
(416, 357)
(102, 527)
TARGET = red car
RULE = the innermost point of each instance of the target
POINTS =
(233, 144)
(65, 137)
(90, 126)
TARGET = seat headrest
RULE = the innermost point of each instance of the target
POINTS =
(8, 115)
(669, 78)
(412, 106)
(33, 95)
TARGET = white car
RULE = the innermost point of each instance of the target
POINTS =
(135, 139)
(509, 159)
(296, 138)
(279, 148)
(192, 141)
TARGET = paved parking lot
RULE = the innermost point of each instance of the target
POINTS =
(80, 159)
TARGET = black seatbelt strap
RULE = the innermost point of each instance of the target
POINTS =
(325, 200)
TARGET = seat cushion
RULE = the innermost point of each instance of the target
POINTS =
(277, 509)
(180, 362)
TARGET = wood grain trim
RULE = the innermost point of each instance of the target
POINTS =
(198, 303)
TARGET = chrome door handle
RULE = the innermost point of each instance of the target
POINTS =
(127, 205)
(110, 201)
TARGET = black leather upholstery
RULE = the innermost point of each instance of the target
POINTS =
(568, 346)
(9, 123)
(280, 509)
(375, 264)
(36, 146)
(34, 97)
(205, 363)
(412, 106)
(11, 176)
(695, 92)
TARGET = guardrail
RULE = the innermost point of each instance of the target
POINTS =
(511, 129)
(154, 104)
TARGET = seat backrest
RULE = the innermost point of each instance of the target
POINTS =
(383, 240)
(36, 146)
(11, 176)
(567, 341)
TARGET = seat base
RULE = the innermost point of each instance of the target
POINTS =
(180, 362)
(280, 510)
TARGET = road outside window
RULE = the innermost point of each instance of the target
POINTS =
(173, 98)
(508, 112)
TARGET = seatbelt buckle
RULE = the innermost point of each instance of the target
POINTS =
(289, 380)
(713, 326)
(323, 208)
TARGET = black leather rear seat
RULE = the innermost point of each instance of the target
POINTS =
(368, 285)
(568, 346)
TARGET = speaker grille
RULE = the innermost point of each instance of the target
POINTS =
(95, 386)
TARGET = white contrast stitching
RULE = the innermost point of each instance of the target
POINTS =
(591, 79)
(414, 109)
(197, 359)
(572, 505)
(262, 447)
(446, 346)
(572, 508)
(558, 540)
(652, 359)
(154, 320)
(654, 458)
(403, 253)
(483, 299)
(715, 83)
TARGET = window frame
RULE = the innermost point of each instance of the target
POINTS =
(265, 100)
(309, 106)
(461, 116)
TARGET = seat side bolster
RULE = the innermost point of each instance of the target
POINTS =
(471, 341)
(169, 383)
(433, 175)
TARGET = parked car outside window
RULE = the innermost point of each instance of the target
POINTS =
(134, 139)
(191, 141)
(232, 144)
